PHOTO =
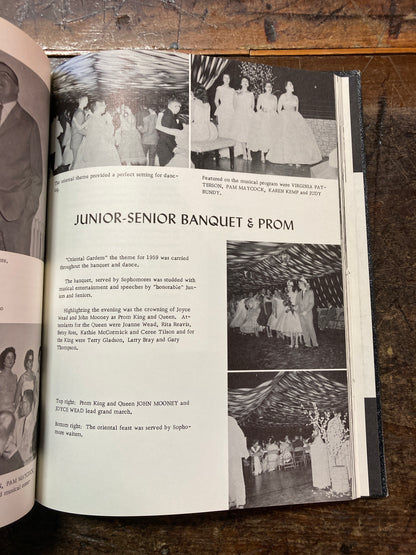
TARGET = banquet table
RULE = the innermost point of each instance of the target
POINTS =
(379, 39)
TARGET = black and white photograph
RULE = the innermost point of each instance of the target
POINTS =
(24, 107)
(289, 439)
(285, 306)
(125, 108)
(262, 119)
(20, 357)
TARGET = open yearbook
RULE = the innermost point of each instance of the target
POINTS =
(184, 285)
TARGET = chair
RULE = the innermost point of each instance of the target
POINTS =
(299, 456)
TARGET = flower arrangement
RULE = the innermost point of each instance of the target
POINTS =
(257, 75)
(332, 429)
(318, 419)
(287, 302)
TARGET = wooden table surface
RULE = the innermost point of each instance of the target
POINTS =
(378, 38)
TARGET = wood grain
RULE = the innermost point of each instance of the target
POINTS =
(222, 26)
(389, 109)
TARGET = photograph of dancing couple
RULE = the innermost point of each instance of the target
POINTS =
(285, 306)
(120, 108)
(288, 438)
(262, 119)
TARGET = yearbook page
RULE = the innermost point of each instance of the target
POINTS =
(196, 328)
(24, 124)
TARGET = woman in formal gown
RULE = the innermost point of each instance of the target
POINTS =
(243, 117)
(250, 325)
(8, 380)
(273, 455)
(98, 147)
(28, 379)
(289, 322)
(256, 453)
(240, 314)
(277, 311)
(127, 139)
(237, 450)
(265, 297)
(293, 140)
(286, 455)
(263, 318)
(319, 462)
(224, 102)
(202, 128)
(263, 123)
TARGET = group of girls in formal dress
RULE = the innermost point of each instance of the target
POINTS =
(93, 136)
(270, 455)
(272, 126)
(19, 401)
(269, 311)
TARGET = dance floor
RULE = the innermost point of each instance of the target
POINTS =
(285, 487)
(256, 166)
(248, 352)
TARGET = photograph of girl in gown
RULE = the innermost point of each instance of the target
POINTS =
(296, 424)
(243, 118)
(224, 103)
(285, 306)
(256, 111)
(262, 132)
(293, 141)
(113, 101)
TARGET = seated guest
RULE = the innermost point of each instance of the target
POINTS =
(273, 458)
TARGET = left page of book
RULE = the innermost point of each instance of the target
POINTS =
(24, 126)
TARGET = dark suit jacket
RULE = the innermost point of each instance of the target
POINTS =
(20, 165)
(169, 120)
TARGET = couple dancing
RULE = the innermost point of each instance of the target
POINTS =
(92, 136)
(298, 317)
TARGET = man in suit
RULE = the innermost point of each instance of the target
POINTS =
(168, 125)
(305, 301)
(10, 459)
(20, 167)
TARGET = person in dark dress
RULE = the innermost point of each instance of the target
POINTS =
(167, 125)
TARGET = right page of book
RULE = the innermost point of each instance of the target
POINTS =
(198, 342)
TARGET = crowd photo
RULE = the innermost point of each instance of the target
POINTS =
(120, 108)
(289, 438)
(262, 119)
(20, 357)
(284, 306)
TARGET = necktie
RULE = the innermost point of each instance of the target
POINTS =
(1, 109)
